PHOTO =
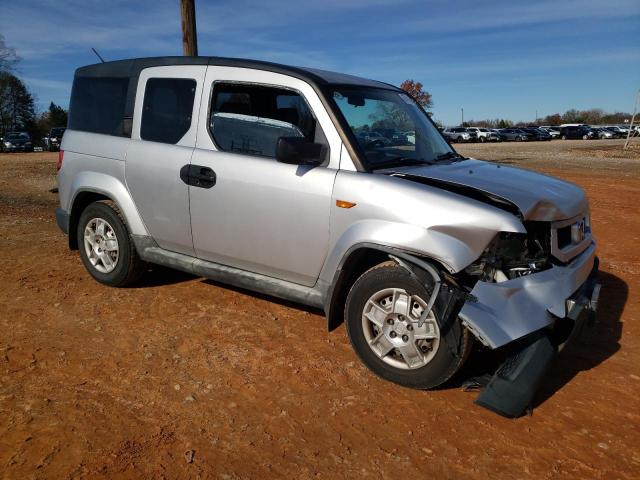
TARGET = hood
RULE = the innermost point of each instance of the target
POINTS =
(537, 196)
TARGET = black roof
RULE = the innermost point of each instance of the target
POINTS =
(132, 68)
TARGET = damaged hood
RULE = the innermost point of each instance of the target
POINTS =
(538, 197)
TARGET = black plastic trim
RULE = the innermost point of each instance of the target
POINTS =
(62, 219)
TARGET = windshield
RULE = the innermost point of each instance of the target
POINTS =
(379, 119)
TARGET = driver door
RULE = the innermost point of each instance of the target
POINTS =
(261, 215)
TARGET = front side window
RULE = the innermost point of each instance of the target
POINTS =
(249, 119)
(167, 109)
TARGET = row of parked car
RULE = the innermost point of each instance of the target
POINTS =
(523, 134)
(21, 141)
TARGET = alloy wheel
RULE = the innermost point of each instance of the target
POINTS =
(101, 245)
(390, 322)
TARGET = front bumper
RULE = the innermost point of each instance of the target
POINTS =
(512, 389)
(506, 311)
(581, 308)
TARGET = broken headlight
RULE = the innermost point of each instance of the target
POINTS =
(514, 255)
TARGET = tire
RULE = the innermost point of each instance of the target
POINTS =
(436, 361)
(126, 266)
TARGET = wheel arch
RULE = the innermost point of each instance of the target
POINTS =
(357, 260)
(81, 201)
(113, 191)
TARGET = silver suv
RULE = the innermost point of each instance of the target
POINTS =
(263, 176)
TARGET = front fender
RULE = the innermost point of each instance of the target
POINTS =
(420, 219)
(114, 189)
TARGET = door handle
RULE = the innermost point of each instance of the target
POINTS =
(198, 176)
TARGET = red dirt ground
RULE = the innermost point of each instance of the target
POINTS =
(185, 378)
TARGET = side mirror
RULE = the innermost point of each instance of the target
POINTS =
(299, 151)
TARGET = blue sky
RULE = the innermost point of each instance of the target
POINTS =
(494, 58)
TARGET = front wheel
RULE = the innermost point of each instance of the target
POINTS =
(106, 247)
(382, 314)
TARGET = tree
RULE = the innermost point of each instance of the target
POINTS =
(17, 110)
(552, 120)
(8, 57)
(415, 89)
(57, 116)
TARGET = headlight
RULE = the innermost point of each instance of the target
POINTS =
(513, 255)
(7, 144)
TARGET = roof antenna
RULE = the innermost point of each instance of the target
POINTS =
(99, 56)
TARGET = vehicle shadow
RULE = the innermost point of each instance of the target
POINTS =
(264, 296)
(596, 344)
(158, 276)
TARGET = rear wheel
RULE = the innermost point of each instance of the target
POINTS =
(382, 314)
(106, 248)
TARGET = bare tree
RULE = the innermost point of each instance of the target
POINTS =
(8, 57)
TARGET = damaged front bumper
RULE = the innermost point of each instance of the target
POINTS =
(512, 389)
(501, 313)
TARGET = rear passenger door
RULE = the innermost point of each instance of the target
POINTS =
(261, 215)
(162, 142)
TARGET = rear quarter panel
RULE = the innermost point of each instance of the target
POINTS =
(95, 163)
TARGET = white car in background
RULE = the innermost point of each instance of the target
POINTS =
(482, 134)
(457, 134)
(551, 131)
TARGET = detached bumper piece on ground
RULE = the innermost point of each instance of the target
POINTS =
(511, 390)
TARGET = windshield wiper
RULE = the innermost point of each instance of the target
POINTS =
(401, 162)
(449, 156)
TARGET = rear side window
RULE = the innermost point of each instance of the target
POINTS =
(98, 105)
(167, 109)
(249, 119)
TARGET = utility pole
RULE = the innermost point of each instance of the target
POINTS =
(536, 117)
(189, 35)
(462, 112)
(635, 109)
